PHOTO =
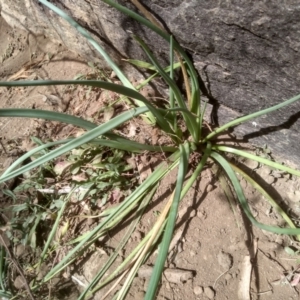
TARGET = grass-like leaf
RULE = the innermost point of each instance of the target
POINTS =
(86, 34)
(85, 138)
(164, 246)
(100, 84)
(190, 122)
(250, 117)
(262, 160)
(273, 203)
(240, 194)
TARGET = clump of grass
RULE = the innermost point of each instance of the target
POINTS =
(88, 149)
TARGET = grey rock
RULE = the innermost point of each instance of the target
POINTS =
(246, 53)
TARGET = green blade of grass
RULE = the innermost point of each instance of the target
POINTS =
(100, 84)
(146, 65)
(85, 138)
(158, 173)
(121, 245)
(194, 77)
(171, 93)
(250, 117)
(115, 142)
(123, 144)
(164, 246)
(273, 203)
(28, 154)
(190, 122)
(2, 267)
(91, 40)
(46, 115)
(226, 188)
(240, 194)
(54, 229)
(262, 160)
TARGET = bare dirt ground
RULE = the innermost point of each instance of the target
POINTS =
(213, 239)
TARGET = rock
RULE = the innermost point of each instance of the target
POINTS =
(198, 290)
(209, 187)
(225, 260)
(171, 275)
(209, 292)
(228, 276)
(42, 271)
(19, 283)
(247, 54)
(22, 250)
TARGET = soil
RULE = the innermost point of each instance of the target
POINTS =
(213, 238)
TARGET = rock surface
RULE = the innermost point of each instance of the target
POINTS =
(246, 53)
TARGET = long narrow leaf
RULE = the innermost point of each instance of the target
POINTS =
(250, 117)
(273, 203)
(121, 245)
(240, 194)
(46, 115)
(190, 122)
(53, 230)
(159, 172)
(83, 32)
(28, 154)
(256, 158)
(164, 246)
(165, 36)
(100, 84)
(85, 138)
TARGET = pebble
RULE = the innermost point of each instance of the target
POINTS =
(19, 283)
(198, 290)
(228, 276)
(22, 250)
(209, 292)
(209, 188)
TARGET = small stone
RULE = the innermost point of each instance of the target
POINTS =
(113, 75)
(193, 213)
(22, 250)
(228, 276)
(201, 214)
(293, 196)
(209, 188)
(209, 292)
(225, 260)
(198, 290)
(19, 283)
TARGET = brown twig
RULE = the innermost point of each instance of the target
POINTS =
(2, 145)
(15, 262)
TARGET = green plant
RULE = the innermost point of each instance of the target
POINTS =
(196, 144)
